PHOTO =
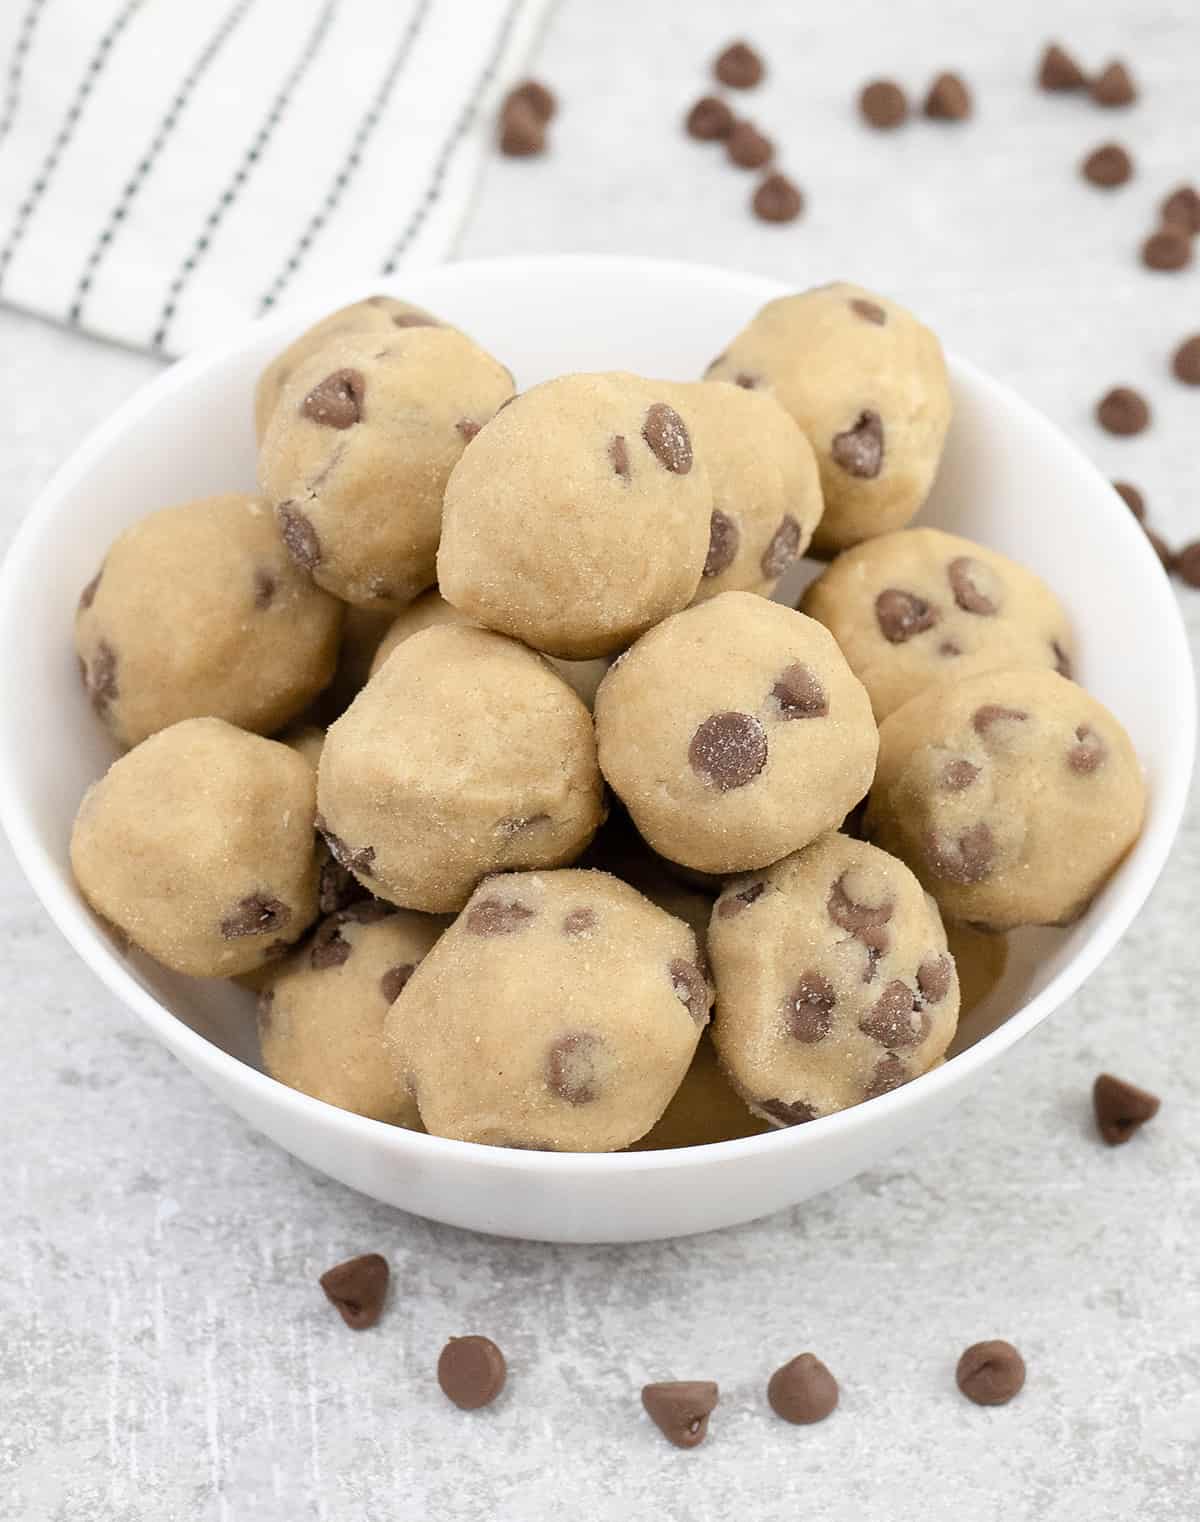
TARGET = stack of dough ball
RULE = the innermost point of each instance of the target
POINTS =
(199, 846)
(465, 754)
(320, 1021)
(833, 981)
(432, 609)
(359, 449)
(579, 517)
(559, 1012)
(867, 383)
(1012, 796)
(734, 733)
(766, 492)
(917, 607)
(198, 611)
(379, 316)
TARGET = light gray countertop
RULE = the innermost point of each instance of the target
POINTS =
(164, 1351)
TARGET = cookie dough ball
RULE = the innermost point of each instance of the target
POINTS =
(559, 1012)
(199, 846)
(198, 611)
(833, 981)
(867, 383)
(432, 609)
(359, 449)
(917, 607)
(705, 1108)
(1012, 796)
(379, 316)
(320, 1021)
(735, 733)
(580, 517)
(766, 492)
(464, 755)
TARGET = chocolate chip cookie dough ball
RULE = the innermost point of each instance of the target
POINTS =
(917, 607)
(735, 733)
(579, 518)
(559, 1012)
(867, 383)
(379, 316)
(320, 1020)
(1012, 796)
(199, 846)
(359, 449)
(464, 755)
(833, 981)
(198, 611)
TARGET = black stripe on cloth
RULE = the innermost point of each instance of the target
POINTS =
(459, 130)
(92, 72)
(353, 157)
(229, 195)
(232, 20)
(16, 65)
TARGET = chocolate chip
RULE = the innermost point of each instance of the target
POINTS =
(666, 434)
(329, 947)
(471, 1372)
(298, 535)
(255, 915)
(734, 902)
(1107, 166)
(680, 1409)
(358, 861)
(88, 596)
(1161, 548)
(958, 774)
(990, 1373)
(808, 1009)
(783, 549)
(1062, 661)
(1089, 751)
(747, 147)
(395, 980)
(1059, 71)
(948, 100)
(974, 586)
(1167, 249)
(949, 649)
(1113, 86)
(497, 916)
(468, 428)
(537, 97)
(728, 750)
(1182, 209)
(1187, 563)
(578, 923)
(100, 677)
(723, 539)
(336, 887)
(852, 916)
(933, 978)
(1132, 498)
(788, 1112)
(799, 694)
(1185, 362)
(571, 1067)
(1121, 1108)
(900, 615)
(709, 120)
(883, 103)
(889, 1073)
(739, 66)
(357, 1287)
(859, 451)
(264, 588)
(890, 1019)
(777, 199)
(618, 455)
(869, 311)
(337, 401)
(517, 824)
(690, 988)
(803, 1391)
(988, 714)
(746, 381)
(965, 858)
(414, 320)
(522, 130)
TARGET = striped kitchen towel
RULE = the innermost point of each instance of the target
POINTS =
(171, 167)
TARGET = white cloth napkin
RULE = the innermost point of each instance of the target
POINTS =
(171, 167)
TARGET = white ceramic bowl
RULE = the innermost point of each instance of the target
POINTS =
(1009, 479)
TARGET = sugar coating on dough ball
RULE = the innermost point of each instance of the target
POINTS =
(199, 612)
(560, 1012)
(199, 846)
(321, 1017)
(833, 980)
(1012, 796)
(579, 517)
(734, 733)
(867, 383)
(465, 754)
(920, 606)
(358, 451)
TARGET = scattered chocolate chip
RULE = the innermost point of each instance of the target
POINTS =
(571, 1067)
(1168, 249)
(1121, 1108)
(739, 66)
(1107, 166)
(497, 916)
(728, 750)
(745, 381)
(900, 615)
(990, 1373)
(1122, 411)
(255, 915)
(88, 596)
(100, 677)
(890, 1073)
(299, 536)
(618, 456)
(802, 1391)
(522, 130)
(1088, 752)
(948, 100)
(337, 401)
(989, 714)
(666, 434)
(869, 311)
(471, 1372)
(788, 1112)
(578, 923)
(1062, 661)
(709, 120)
(1182, 209)
(691, 988)
(468, 428)
(264, 588)
(1132, 498)
(783, 549)
(735, 902)
(808, 1009)
(974, 586)
(359, 861)
(357, 1287)
(859, 450)
(537, 97)
(958, 774)
(883, 103)
(1113, 86)
(933, 978)
(965, 858)
(777, 199)
(1187, 564)
(1185, 362)
(723, 539)
(680, 1409)
(890, 1019)
(1161, 548)
(799, 693)
(1059, 71)
(395, 980)
(747, 147)
(329, 947)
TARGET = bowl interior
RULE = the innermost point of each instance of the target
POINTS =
(1008, 479)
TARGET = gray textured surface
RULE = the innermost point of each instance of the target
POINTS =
(164, 1352)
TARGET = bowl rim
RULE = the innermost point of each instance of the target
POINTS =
(1124, 896)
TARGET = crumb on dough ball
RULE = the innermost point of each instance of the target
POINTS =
(358, 451)
(199, 612)
(734, 733)
(1012, 795)
(465, 754)
(579, 517)
(199, 846)
(559, 1012)
(834, 983)
(867, 383)
(919, 606)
